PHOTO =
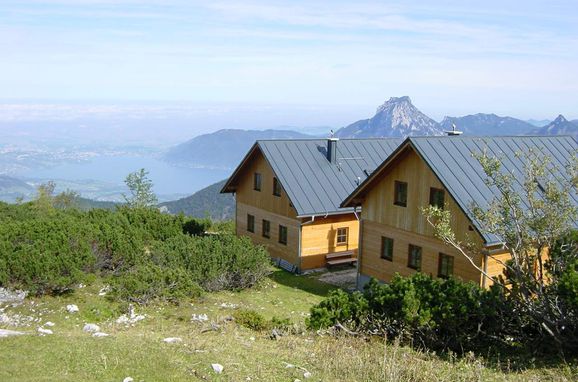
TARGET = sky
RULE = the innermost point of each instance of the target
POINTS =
(517, 58)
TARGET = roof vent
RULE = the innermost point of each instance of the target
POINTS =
(332, 149)
(453, 131)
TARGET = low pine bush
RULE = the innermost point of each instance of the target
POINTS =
(143, 253)
(432, 313)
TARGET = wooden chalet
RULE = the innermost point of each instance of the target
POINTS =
(288, 195)
(395, 236)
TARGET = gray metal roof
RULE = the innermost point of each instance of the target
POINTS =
(314, 185)
(452, 160)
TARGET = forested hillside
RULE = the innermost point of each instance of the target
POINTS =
(208, 202)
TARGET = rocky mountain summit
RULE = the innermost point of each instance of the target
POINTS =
(397, 117)
(559, 126)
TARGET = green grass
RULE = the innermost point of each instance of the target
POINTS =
(138, 351)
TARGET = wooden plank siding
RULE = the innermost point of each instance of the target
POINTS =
(407, 225)
(320, 238)
(374, 266)
(289, 251)
(263, 199)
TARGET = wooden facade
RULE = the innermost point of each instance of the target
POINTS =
(405, 224)
(308, 239)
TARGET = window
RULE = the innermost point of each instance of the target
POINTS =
(250, 223)
(266, 228)
(414, 257)
(445, 266)
(282, 234)
(257, 182)
(436, 197)
(342, 236)
(276, 187)
(400, 194)
(386, 248)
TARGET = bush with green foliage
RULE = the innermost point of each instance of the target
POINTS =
(256, 321)
(433, 313)
(141, 252)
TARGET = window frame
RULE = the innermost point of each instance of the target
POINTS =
(410, 257)
(433, 191)
(276, 187)
(251, 223)
(257, 181)
(266, 233)
(441, 266)
(385, 239)
(396, 193)
(338, 236)
(283, 237)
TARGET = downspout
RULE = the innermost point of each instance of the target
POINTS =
(359, 244)
(299, 247)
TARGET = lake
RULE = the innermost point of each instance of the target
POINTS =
(169, 181)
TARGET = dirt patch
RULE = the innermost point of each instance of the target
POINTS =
(345, 279)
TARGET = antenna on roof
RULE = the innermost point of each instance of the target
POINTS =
(453, 131)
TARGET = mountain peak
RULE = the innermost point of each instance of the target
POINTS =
(393, 102)
(397, 117)
(559, 126)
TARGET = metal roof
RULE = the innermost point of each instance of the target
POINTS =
(452, 160)
(314, 185)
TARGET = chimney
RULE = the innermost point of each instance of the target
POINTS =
(332, 149)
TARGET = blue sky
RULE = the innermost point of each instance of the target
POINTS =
(517, 58)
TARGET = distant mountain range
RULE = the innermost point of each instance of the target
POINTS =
(223, 149)
(487, 124)
(559, 126)
(397, 117)
(203, 203)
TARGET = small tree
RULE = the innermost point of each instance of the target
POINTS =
(531, 220)
(141, 190)
(44, 198)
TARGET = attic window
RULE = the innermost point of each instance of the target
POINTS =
(436, 197)
(257, 181)
(400, 194)
(276, 187)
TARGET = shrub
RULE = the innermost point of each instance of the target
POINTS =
(144, 283)
(434, 313)
(146, 254)
(250, 319)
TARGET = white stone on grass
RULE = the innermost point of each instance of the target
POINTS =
(100, 334)
(172, 340)
(199, 317)
(128, 379)
(218, 368)
(72, 308)
(49, 323)
(307, 375)
(8, 333)
(43, 331)
(91, 328)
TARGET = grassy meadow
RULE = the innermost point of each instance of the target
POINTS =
(137, 350)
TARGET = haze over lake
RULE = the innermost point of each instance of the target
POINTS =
(169, 181)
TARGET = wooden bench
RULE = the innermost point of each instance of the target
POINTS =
(344, 257)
